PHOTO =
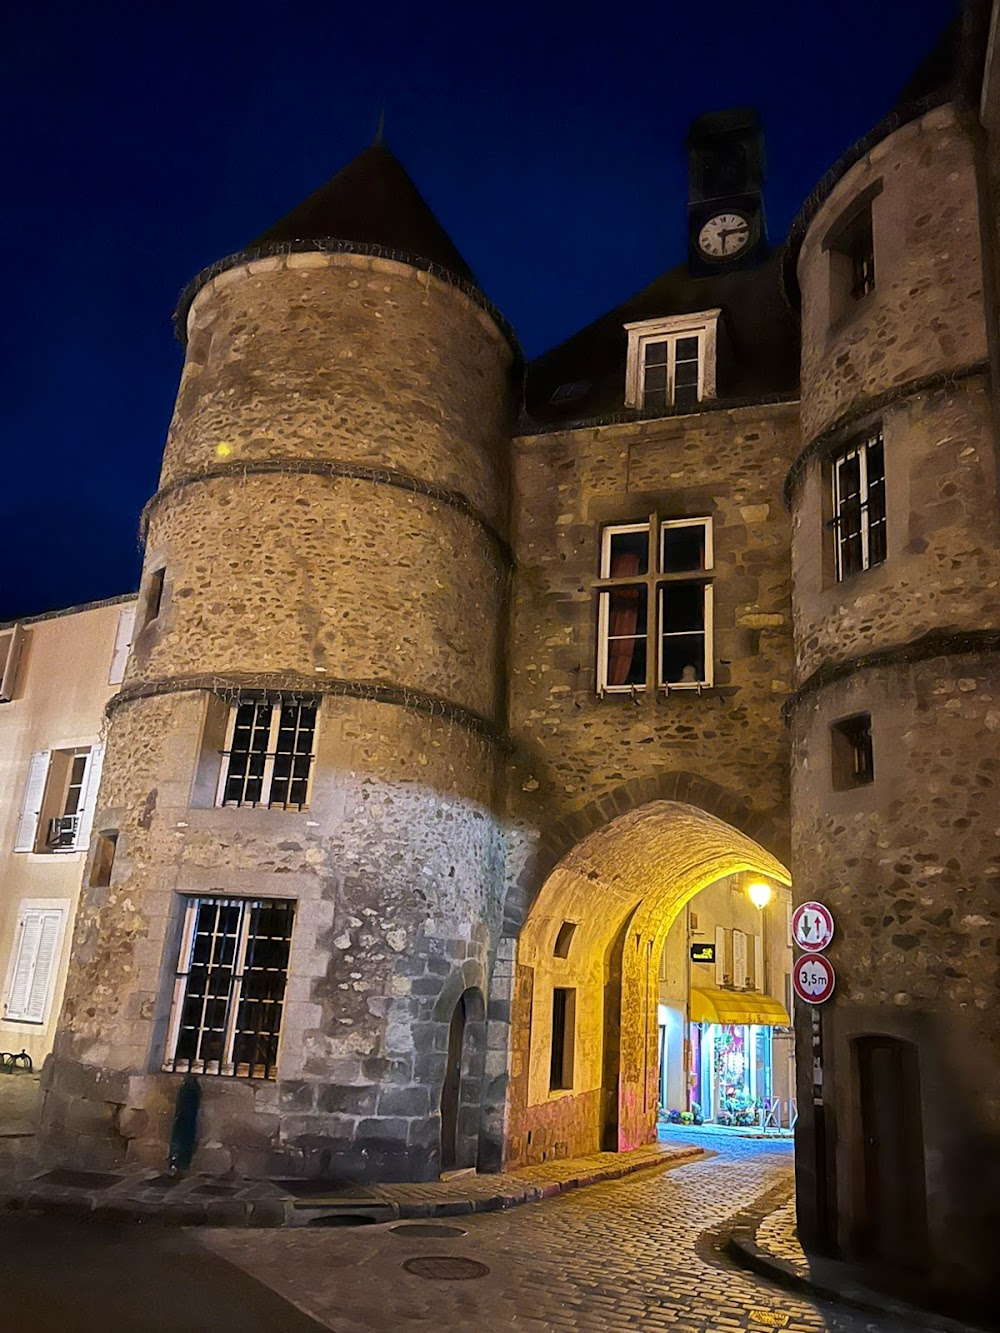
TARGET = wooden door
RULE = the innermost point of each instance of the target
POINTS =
(892, 1217)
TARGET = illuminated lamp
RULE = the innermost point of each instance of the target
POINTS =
(760, 894)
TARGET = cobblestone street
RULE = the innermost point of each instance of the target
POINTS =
(628, 1255)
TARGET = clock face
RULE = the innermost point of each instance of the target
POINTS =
(725, 236)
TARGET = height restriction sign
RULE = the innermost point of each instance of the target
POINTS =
(812, 926)
(813, 978)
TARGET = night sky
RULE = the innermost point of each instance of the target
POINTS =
(146, 139)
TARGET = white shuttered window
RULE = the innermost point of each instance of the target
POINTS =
(31, 805)
(123, 642)
(35, 962)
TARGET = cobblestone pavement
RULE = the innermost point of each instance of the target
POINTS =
(776, 1235)
(623, 1256)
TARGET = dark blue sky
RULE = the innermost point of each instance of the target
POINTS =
(144, 140)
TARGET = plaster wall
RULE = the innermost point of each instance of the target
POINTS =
(61, 689)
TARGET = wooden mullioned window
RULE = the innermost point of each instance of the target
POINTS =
(655, 605)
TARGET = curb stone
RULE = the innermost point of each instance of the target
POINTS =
(280, 1210)
(741, 1246)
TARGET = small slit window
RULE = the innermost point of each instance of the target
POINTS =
(563, 1035)
(851, 752)
(851, 247)
(564, 939)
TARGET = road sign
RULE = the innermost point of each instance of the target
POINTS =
(703, 953)
(814, 978)
(812, 927)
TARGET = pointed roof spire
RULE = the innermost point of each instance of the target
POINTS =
(372, 201)
(380, 128)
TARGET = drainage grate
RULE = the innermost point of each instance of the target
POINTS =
(445, 1268)
(769, 1318)
(81, 1180)
(343, 1220)
(438, 1229)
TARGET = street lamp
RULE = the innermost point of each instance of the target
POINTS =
(759, 894)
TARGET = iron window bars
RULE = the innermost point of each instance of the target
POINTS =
(269, 754)
(859, 519)
(230, 987)
(664, 564)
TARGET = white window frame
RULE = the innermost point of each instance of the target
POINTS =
(41, 910)
(227, 1068)
(702, 325)
(38, 792)
(268, 774)
(657, 586)
(857, 449)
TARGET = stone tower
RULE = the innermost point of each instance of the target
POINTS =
(305, 897)
(896, 577)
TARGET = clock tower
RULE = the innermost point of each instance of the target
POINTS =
(726, 227)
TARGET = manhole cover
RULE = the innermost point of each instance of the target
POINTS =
(445, 1267)
(439, 1229)
(769, 1318)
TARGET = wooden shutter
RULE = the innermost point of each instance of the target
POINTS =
(88, 800)
(11, 644)
(123, 642)
(739, 959)
(31, 806)
(720, 955)
(39, 935)
(758, 963)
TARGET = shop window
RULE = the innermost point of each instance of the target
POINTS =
(655, 605)
(851, 748)
(563, 1038)
(859, 519)
(230, 987)
(564, 939)
(671, 362)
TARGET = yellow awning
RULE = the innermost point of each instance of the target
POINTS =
(733, 1006)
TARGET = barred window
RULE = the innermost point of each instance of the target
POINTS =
(230, 987)
(859, 506)
(268, 755)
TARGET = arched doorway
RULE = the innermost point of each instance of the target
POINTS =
(585, 1069)
(461, 1089)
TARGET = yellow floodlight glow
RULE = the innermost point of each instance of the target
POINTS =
(223, 449)
(760, 894)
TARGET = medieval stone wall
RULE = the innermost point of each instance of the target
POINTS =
(574, 748)
(925, 316)
(908, 861)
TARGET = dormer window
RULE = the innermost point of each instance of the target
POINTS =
(671, 362)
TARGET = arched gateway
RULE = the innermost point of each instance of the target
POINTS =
(584, 998)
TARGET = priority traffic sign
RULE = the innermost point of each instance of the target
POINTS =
(812, 927)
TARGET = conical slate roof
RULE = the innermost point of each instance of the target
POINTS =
(372, 201)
